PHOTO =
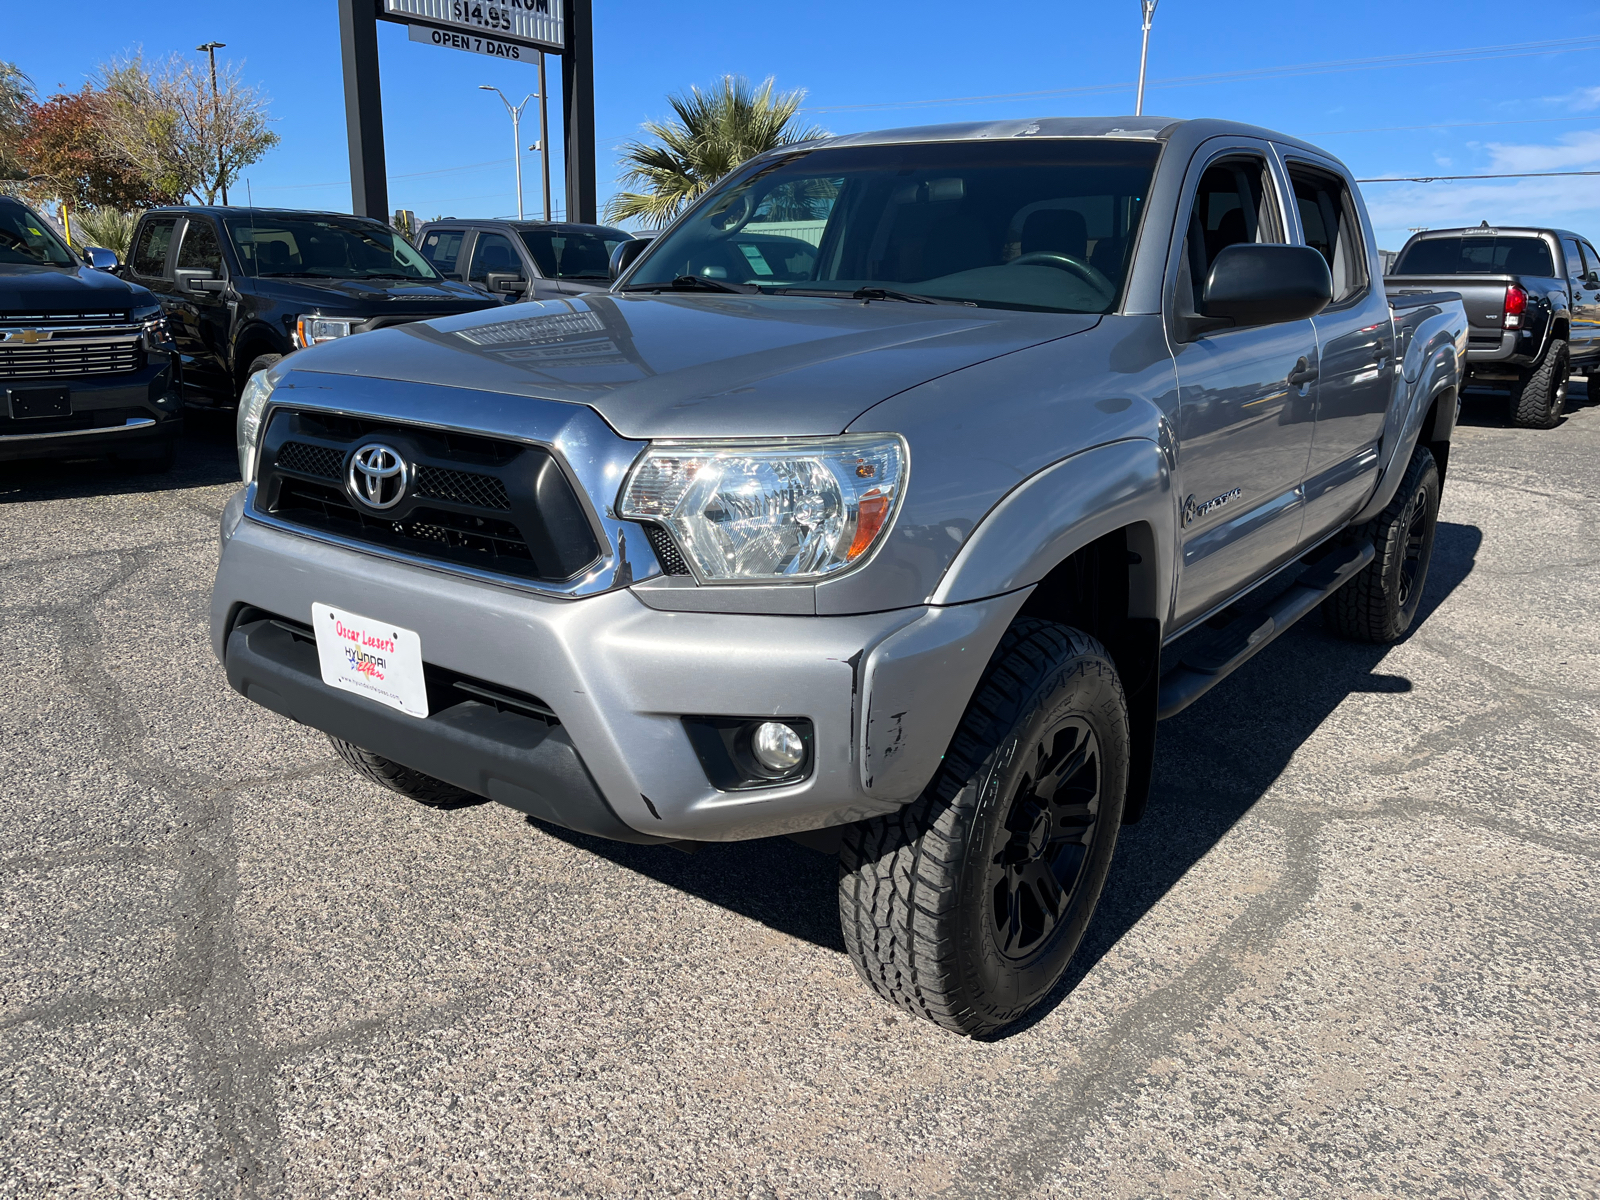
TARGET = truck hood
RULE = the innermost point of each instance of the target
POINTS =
(697, 365)
(25, 288)
(368, 297)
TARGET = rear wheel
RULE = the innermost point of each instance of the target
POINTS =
(1538, 401)
(390, 774)
(1380, 603)
(966, 906)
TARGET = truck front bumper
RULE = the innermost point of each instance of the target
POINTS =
(132, 414)
(884, 691)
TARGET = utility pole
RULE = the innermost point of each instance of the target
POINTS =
(1149, 8)
(544, 135)
(516, 133)
(211, 49)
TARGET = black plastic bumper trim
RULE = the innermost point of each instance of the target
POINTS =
(524, 762)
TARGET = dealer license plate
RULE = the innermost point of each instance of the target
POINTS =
(370, 658)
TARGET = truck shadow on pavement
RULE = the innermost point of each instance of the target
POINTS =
(1213, 763)
(1490, 407)
(206, 457)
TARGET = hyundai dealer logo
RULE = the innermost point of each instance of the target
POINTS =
(378, 475)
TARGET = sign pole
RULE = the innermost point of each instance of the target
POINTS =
(577, 95)
(363, 109)
(544, 134)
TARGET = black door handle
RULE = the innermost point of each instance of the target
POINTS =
(1303, 372)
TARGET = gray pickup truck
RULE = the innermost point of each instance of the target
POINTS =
(898, 489)
(1533, 303)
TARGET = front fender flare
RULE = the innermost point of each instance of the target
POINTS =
(1063, 508)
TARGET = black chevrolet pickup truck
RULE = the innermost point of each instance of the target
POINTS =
(1533, 298)
(86, 365)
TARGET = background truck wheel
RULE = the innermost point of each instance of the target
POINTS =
(1537, 402)
(1379, 604)
(966, 906)
(260, 362)
(396, 778)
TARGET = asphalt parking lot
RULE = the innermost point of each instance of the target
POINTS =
(1352, 950)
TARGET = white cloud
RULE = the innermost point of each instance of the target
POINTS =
(1583, 100)
(1575, 150)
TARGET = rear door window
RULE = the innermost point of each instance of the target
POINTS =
(442, 247)
(149, 256)
(1234, 204)
(1329, 225)
(200, 247)
(494, 254)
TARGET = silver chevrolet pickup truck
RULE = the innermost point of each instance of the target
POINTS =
(898, 489)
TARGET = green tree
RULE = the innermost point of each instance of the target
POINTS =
(65, 156)
(714, 132)
(16, 99)
(166, 124)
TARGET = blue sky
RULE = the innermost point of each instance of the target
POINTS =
(1422, 109)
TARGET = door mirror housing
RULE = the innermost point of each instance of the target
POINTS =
(505, 282)
(100, 258)
(1263, 284)
(625, 255)
(197, 279)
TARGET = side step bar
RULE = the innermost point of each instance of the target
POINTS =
(1207, 665)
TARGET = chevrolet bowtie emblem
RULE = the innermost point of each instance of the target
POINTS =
(28, 337)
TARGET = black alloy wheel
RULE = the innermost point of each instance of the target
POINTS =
(1380, 603)
(1033, 876)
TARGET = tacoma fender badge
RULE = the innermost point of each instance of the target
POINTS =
(1192, 511)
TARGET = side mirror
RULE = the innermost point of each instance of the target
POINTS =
(197, 279)
(625, 255)
(100, 258)
(505, 282)
(1264, 284)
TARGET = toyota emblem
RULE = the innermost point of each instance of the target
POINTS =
(378, 475)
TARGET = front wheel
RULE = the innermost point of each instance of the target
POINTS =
(966, 906)
(385, 772)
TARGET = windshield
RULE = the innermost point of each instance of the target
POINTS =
(1042, 225)
(568, 253)
(1477, 256)
(318, 247)
(25, 239)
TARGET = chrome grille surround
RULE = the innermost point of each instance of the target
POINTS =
(59, 345)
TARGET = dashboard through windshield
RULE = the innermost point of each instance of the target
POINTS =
(1041, 225)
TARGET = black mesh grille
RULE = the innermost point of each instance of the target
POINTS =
(463, 487)
(306, 459)
(487, 503)
(666, 551)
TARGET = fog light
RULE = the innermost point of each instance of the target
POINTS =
(777, 747)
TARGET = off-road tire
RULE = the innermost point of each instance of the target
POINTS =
(390, 774)
(918, 892)
(1380, 603)
(1537, 402)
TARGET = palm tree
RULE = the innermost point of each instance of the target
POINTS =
(716, 130)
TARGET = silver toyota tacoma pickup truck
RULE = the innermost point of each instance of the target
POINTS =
(899, 488)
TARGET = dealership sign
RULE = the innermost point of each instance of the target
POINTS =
(482, 26)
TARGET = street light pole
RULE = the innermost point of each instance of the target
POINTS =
(1149, 9)
(516, 133)
(211, 48)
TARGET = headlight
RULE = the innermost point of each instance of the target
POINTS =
(774, 511)
(252, 403)
(152, 323)
(308, 331)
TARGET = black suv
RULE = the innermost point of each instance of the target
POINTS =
(86, 368)
(528, 260)
(242, 287)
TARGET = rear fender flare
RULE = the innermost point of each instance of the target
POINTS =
(1431, 370)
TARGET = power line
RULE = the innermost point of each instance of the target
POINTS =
(1507, 175)
(1425, 58)
(1452, 125)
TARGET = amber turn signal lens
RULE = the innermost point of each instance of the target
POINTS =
(874, 511)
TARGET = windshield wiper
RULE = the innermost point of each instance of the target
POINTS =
(868, 293)
(297, 275)
(397, 275)
(695, 283)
